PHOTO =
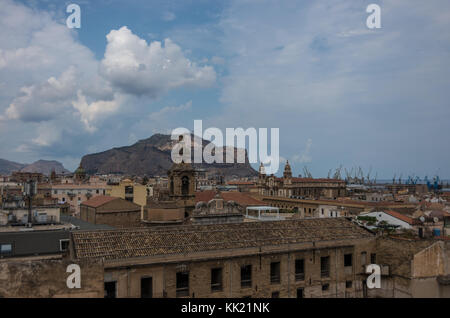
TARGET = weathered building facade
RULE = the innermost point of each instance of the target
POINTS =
(296, 258)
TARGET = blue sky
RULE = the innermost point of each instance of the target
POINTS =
(339, 92)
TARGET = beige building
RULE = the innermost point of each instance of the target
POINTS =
(301, 258)
(290, 187)
(72, 193)
(131, 191)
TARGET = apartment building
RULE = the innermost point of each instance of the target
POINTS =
(295, 258)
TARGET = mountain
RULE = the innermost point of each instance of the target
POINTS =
(41, 166)
(6, 166)
(152, 157)
(45, 167)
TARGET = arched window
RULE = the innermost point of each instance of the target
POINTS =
(185, 185)
(171, 185)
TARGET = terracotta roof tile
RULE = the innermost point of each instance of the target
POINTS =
(238, 197)
(145, 242)
(97, 201)
(400, 216)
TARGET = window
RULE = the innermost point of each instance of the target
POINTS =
(363, 258)
(146, 287)
(216, 279)
(63, 245)
(185, 185)
(275, 272)
(276, 294)
(97, 191)
(246, 276)
(300, 293)
(325, 287)
(325, 266)
(182, 284)
(110, 289)
(348, 260)
(299, 269)
(373, 258)
(348, 284)
(129, 190)
(5, 249)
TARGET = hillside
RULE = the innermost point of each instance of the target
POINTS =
(151, 157)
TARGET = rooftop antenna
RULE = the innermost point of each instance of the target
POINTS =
(30, 190)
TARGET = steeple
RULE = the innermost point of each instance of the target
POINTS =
(261, 171)
(287, 170)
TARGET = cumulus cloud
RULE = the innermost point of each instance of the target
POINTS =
(170, 110)
(92, 112)
(51, 81)
(43, 101)
(138, 68)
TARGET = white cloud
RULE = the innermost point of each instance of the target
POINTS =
(52, 81)
(47, 135)
(92, 112)
(43, 101)
(138, 68)
(170, 110)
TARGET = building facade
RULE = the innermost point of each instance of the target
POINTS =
(295, 258)
(291, 187)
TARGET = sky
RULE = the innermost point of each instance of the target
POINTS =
(339, 92)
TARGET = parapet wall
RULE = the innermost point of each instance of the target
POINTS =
(48, 278)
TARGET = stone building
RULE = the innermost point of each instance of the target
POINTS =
(301, 258)
(413, 268)
(175, 204)
(292, 187)
(217, 210)
(112, 211)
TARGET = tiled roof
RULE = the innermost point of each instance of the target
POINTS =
(241, 198)
(238, 197)
(97, 201)
(204, 196)
(400, 216)
(144, 242)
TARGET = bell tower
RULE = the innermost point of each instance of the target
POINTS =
(287, 170)
(181, 181)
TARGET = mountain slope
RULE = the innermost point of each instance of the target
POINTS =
(6, 166)
(45, 167)
(152, 157)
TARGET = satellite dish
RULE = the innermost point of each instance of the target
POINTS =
(435, 220)
(422, 219)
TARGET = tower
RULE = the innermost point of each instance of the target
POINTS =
(287, 170)
(80, 174)
(261, 171)
(181, 181)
